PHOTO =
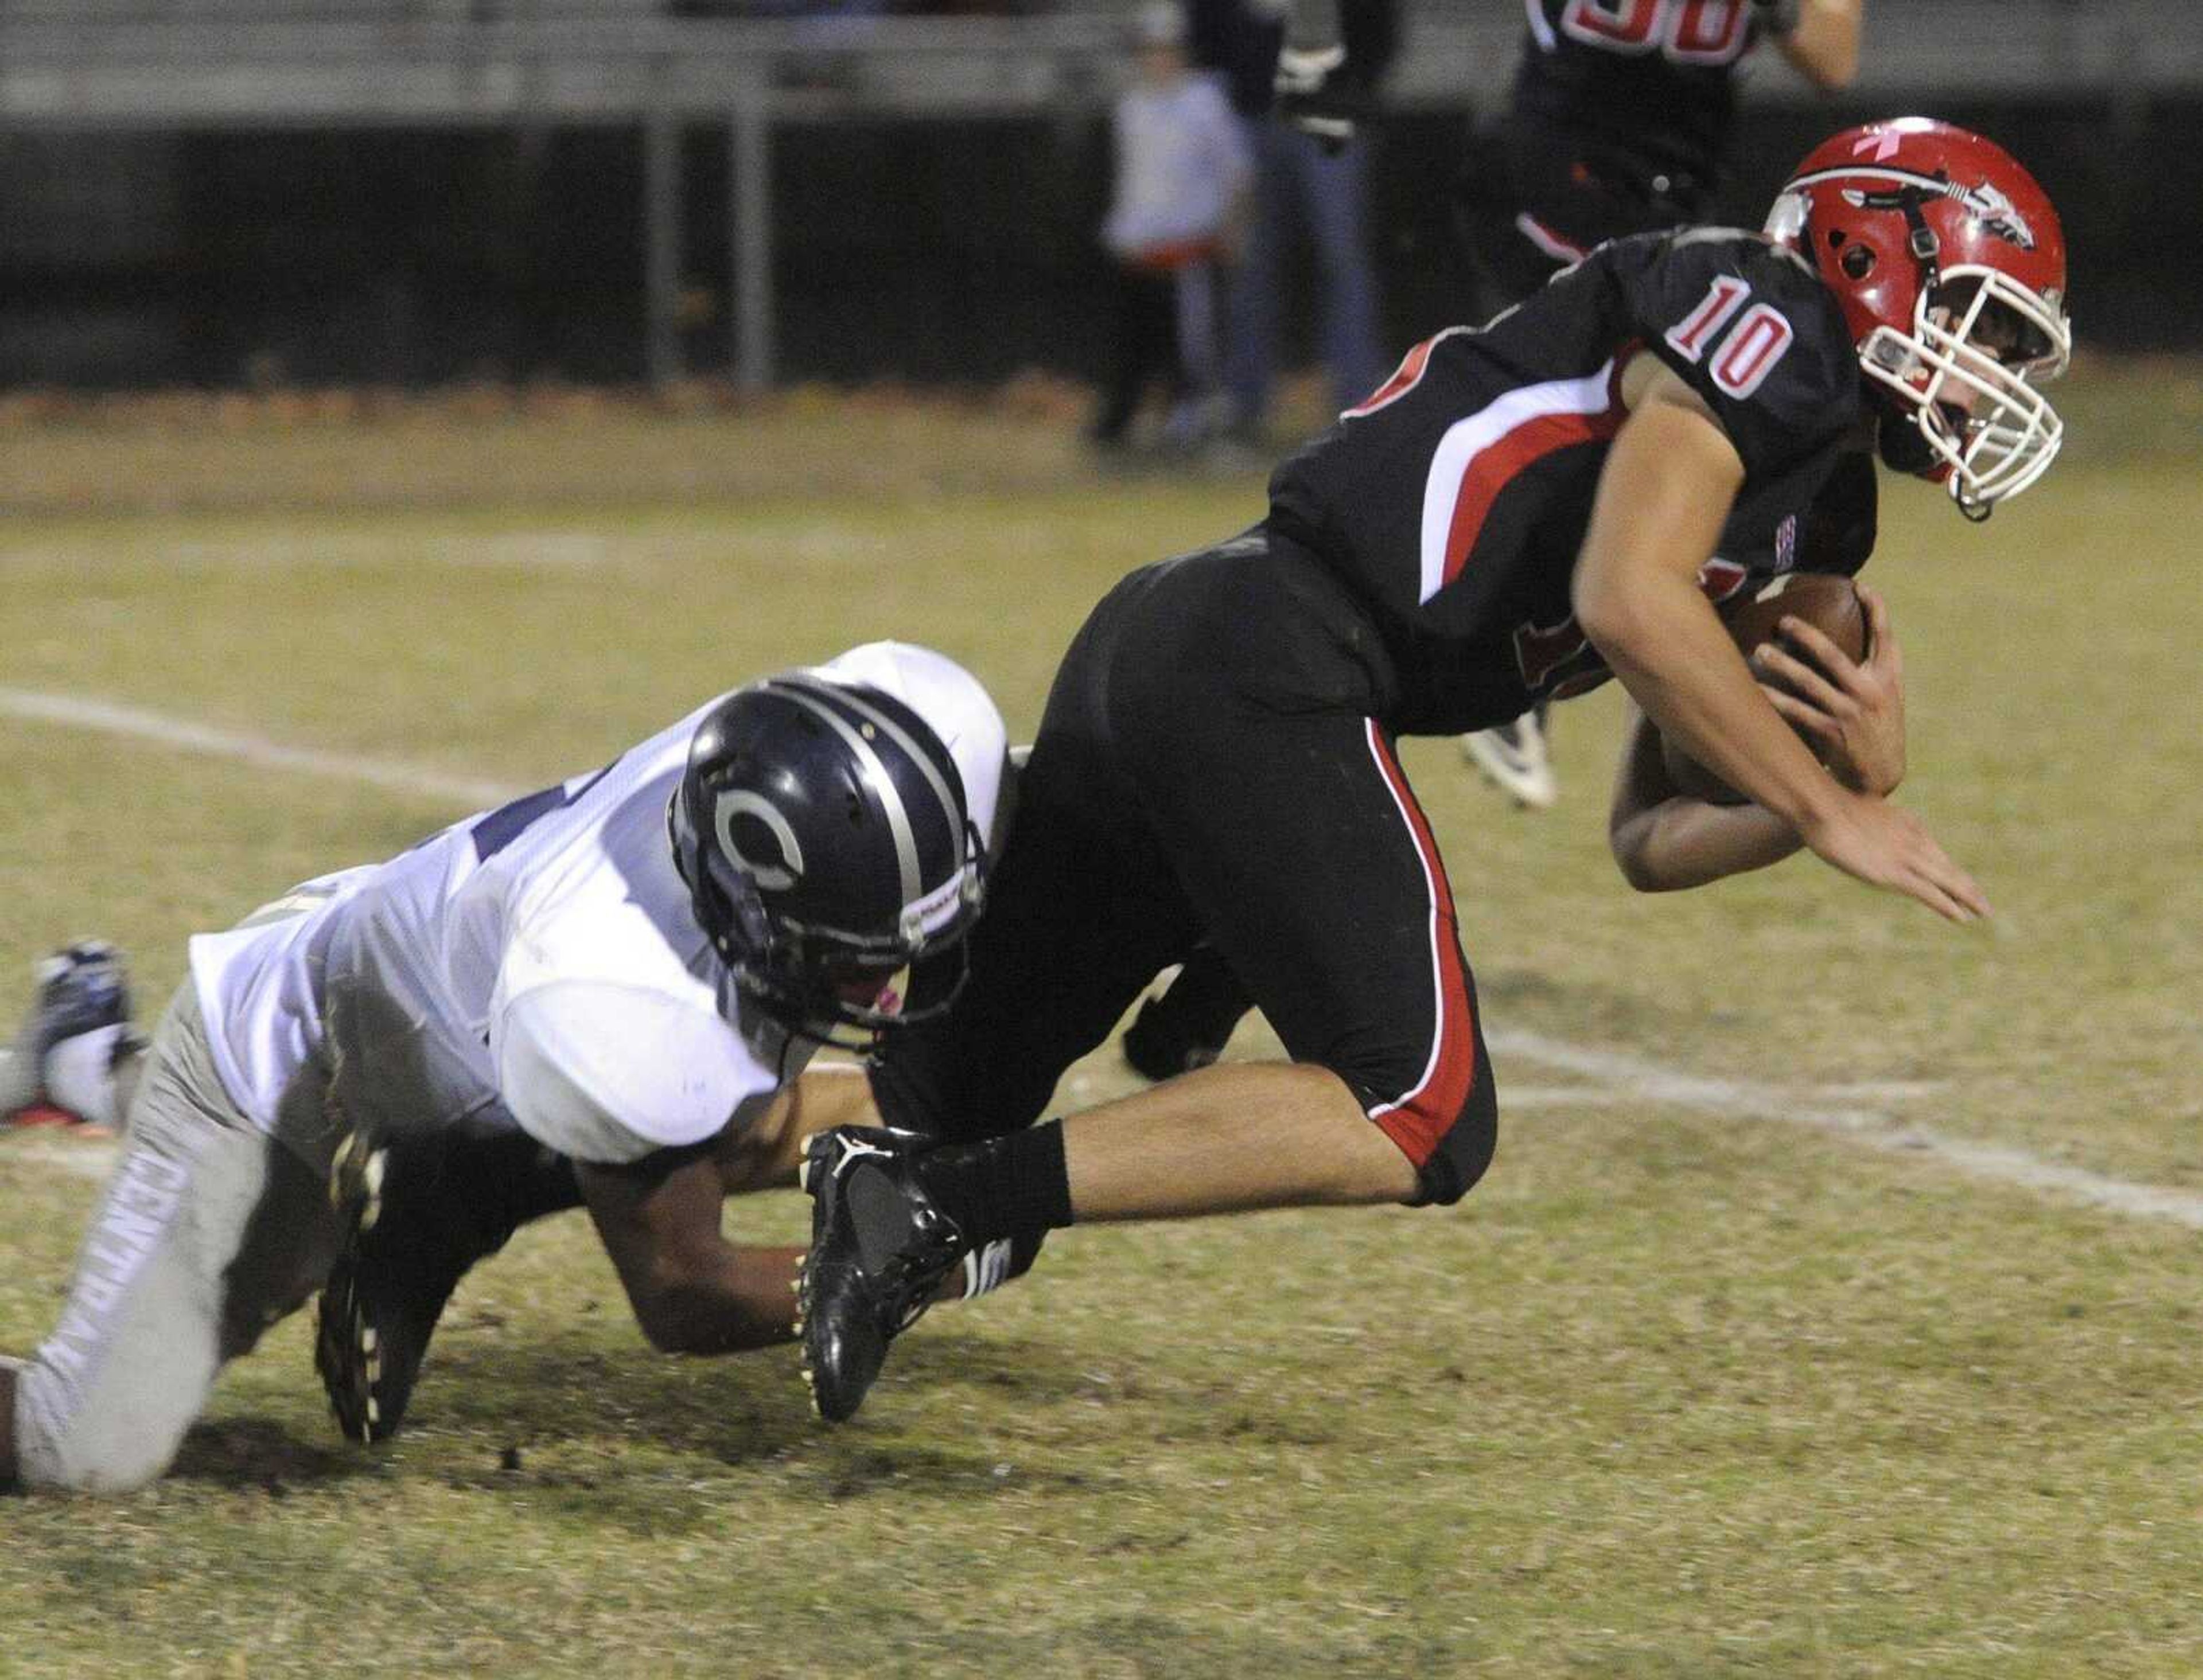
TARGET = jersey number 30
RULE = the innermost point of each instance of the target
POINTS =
(1743, 354)
(1690, 31)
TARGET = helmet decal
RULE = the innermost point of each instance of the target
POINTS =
(776, 877)
(1985, 202)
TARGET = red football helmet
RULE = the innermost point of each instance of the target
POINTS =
(1950, 265)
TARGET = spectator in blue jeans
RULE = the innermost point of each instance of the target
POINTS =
(1301, 183)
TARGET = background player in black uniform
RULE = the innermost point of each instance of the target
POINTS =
(1619, 123)
(1520, 510)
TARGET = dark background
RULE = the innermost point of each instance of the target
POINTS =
(928, 252)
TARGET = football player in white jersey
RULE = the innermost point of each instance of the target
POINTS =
(625, 972)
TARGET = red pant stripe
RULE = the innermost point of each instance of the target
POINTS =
(1418, 1120)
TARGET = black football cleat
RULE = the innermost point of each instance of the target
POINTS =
(880, 1246)
(1159, 1044)
(1189, 1025)
(438, 1207)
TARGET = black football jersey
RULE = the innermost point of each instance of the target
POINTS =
(1653, 79)
(1454, 502)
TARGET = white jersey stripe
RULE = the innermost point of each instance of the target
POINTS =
(1546, 240)
(1466, 439)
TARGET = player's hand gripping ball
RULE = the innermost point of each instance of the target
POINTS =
(1830, 604)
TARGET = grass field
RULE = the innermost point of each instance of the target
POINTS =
(1816, 1366)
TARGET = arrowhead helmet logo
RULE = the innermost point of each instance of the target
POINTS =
(1985, 204)
(1995, 211)
(1883, 146)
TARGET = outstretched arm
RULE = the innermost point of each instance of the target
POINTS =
(1668, 482)
(1664, 841)
(692, 1290)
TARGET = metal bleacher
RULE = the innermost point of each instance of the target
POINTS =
(141, 63)
(167, 66)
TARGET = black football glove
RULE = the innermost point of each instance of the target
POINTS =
(1777, 18)
(1317, 96)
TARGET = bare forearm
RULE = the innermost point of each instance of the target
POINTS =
(1682, 843)
(1666, 490)
(735, 1301)
(1824, 47)
(1663, 841)
(1670, 651)
(762, 1154)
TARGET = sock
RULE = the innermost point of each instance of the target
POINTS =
(1014, 1186)
(992, 1264)
(79, 1075)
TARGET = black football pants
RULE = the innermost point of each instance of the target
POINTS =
(1211, 765)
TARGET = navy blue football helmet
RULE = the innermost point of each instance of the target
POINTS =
(824, 832)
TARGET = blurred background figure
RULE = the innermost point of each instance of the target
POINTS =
(1301, 184)
(1620, 122)
(1182, 171)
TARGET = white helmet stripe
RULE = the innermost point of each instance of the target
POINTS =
(928, 767)
(806, 693)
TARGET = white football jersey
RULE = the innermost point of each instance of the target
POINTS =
(540, 961)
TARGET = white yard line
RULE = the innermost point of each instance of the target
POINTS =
(1837, 1111)
(86, 1158)
(1743, 1100)
(106, 717)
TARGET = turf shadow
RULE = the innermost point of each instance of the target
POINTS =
(735, 1409)
(241, 1452)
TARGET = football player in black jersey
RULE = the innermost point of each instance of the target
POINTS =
(1619, 123)
(1521, 510)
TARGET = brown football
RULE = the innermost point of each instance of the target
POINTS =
(1829, 603)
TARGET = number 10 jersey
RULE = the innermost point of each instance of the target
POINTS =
(1455, 500)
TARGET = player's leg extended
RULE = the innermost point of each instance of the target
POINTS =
(1238, 710)
(1082, 912)
(1345, 931)
(1345, 923)
(1372, 982)
(207, 1232)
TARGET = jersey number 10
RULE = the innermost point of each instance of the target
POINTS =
(1691, 32)
(1744, 354)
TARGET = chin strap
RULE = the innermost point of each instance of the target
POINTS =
(1920, 239)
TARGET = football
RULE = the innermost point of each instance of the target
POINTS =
(1829, 603)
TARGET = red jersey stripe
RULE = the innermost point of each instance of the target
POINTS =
(1481, 454)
